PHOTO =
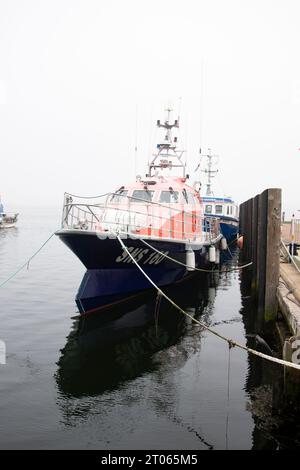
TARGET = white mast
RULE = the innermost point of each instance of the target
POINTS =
(167, 151)
(209, 171)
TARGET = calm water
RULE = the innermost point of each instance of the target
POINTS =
(150, 379)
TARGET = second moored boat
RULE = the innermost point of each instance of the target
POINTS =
(219, 206)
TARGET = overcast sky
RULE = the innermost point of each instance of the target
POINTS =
(74, 73)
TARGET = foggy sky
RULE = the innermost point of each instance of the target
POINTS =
(74, 74)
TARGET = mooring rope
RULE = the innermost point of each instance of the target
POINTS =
(231, 343)
(27, 262)
(87, 197)
(237, 268)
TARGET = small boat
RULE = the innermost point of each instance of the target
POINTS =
(160, 219)
(7, 220)
(223, 208)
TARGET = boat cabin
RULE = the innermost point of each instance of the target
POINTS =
(220, 207)
(159, 207)
(157, 192)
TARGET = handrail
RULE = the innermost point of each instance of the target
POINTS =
(206, 235)
(290, 256)
(153, 228)
(129, 210)
(86, 197)
(85, 216)
(141, 200)
(126, 210)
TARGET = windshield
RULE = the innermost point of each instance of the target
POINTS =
(143, 195)
(188, 197)
(169, 197)
(119, 196)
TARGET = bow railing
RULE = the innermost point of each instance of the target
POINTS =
(136, 216)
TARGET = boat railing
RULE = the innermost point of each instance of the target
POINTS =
(137, 217)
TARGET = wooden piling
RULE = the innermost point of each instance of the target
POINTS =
(272, 257)
(254, 243)
(261, 228)
(261, 260)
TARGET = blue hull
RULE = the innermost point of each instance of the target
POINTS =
(101, 287)
(229, 230)
(111, 273)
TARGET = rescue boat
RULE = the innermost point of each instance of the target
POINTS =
(160, 219)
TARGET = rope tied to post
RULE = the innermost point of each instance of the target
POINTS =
(164, 255)
(230, 342)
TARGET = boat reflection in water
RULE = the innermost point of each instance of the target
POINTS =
(100, 354)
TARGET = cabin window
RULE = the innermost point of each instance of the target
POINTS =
(119, 196)
(188, 197)
(231, 210)
(208, 209)
(169, 197)
(191, 199)
(219, 209)
(227, 210)
(142, 195)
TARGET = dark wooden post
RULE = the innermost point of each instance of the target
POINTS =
(250, 225)
(272, 252)
(247, 230)
(254, 244)
(241, 216)
(242, 225)
(268, 247)
(245, 233)
(258, 273)
(260, 222)
(262, 251)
